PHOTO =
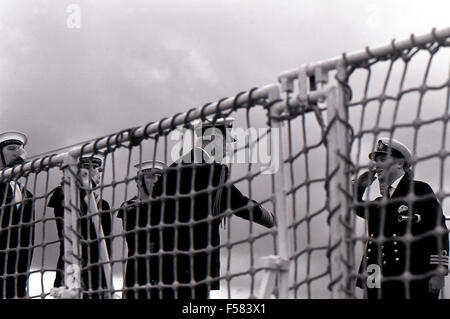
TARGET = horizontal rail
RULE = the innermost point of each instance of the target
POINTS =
(164, 124)
(359, 56)
(57, 159)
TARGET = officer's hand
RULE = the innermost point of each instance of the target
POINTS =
(365, 179)
(436, 283)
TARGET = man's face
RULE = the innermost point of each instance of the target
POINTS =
(14, 154)
(149, 179)
(387, 167)
(95, 172)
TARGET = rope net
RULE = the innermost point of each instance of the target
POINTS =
(403, 95)
(346, 236)
(155, 213)
(268, 207)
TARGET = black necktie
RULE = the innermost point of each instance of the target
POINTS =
(385, 191)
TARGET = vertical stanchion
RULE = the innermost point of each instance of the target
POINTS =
(72, 253)
(337, 188)
(282, 213)
(103, 250)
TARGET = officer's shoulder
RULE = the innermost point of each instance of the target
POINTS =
(28, 193)
(129, 203)
(105, 205)
(221, 167)
(421, 187)
(56, 197)
(57, 189)
(57, 192)
(127, 207)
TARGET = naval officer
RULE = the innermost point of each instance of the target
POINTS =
(196, 197)
(406, 228)
(16, 217)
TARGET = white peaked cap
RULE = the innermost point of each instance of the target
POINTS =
(13, 136)
(386, 145)
(150, 165)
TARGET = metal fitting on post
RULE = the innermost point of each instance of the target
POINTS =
(273, 93)
(302, 96)
(287, 85)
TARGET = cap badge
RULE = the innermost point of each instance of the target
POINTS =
(382, 147)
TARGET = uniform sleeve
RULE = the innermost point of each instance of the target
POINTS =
(27, 232)
(106, 222)
(433, 221)
(250, 209)
(105, 217)
(56, 202)
(124, 207)
(241, 205)
(56, 198)
(360, 206)
(120, 213)
(366, 209)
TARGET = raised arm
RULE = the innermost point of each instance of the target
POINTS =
(359, 187)
(249, 209)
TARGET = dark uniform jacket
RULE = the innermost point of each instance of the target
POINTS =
(141, 238)
(16, 241)
(92, 274)
(191, 201)
(391, 218)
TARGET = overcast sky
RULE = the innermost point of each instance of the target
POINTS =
(136, 61)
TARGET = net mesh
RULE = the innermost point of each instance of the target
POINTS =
(405, 96)
(275, 218)
(401, 94)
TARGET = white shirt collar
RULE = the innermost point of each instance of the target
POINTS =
(395, 184)
(372, 191)
(17, 192)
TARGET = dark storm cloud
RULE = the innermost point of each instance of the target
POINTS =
(137, 61)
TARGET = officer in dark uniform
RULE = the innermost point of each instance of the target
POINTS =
(194, 200)
(92, 275)
(141, 239)
(16, 217)
(407, 231)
